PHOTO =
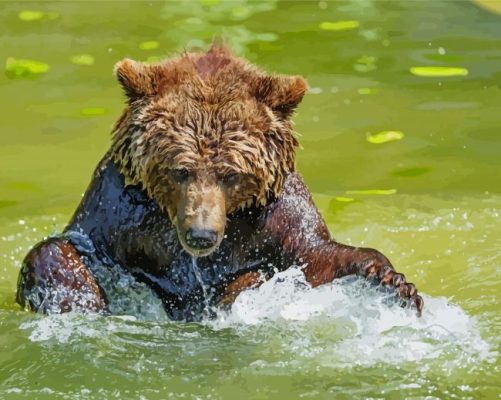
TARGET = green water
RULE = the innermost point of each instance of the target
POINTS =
(435, 212)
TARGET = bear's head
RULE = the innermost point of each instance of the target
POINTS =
(205, 134)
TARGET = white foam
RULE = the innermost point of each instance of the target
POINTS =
(61, 327)
(365, 326)
(345, 323)
(72, 327)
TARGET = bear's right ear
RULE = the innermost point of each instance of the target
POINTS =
(137, 79)
(282, 93)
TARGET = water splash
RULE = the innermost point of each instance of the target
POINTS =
(349, 322)
(342, 324)
(205, 292)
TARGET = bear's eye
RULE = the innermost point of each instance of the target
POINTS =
(231, 179)
(180, 175)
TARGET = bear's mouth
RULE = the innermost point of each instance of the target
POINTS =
(199, 253)
(198, 242)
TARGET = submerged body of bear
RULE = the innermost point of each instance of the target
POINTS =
(201, 166)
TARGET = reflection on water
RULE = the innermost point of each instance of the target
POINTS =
(401, 144)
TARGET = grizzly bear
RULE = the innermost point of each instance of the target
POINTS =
(201, 167)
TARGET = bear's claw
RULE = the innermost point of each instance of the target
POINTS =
(388, 277)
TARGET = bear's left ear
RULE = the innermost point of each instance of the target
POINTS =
(137, 79)
(281, 93)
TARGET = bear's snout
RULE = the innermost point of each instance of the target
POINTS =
(201, 217)
(201, 239)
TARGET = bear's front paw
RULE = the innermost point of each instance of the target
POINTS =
(388, 277)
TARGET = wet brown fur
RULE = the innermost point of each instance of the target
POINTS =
(215, 116)
(56, 263)
(204, 110)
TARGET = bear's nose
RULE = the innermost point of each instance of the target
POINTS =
(201, 238)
